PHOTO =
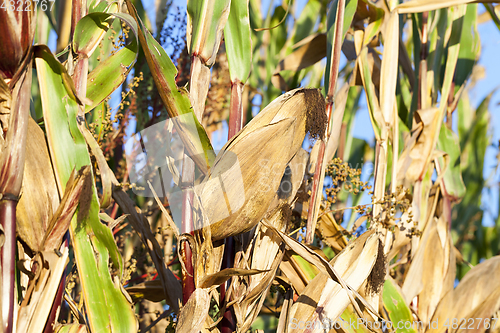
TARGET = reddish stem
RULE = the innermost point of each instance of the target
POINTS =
(11, 176)
(228, 322)
(236, 113)
(187, 279)
(78, 10)
(334, 70)
(8, 255)
(188, 285)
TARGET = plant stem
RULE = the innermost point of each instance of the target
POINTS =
(236, 113)
(228, 323)
(319, 174)
(188, 285)
(8, 255)
(422, 74)
(11, 177)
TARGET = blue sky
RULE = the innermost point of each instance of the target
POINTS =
(490, 51)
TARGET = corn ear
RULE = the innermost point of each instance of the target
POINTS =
(252, 163)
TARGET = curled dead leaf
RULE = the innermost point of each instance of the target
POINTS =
(40, 197)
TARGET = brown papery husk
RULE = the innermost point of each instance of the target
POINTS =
(39, 199)
(263, 149)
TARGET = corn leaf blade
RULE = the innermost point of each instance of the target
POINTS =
(107, 307)
(238, 39)
(175, 99)
(206, 21)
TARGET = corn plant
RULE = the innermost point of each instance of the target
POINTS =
(117, 214)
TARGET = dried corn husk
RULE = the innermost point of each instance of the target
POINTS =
(247, 173)
(324, 298)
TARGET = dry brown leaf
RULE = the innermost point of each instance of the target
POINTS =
(323, 265)
(40, 197)
(419, 154)
(107, 175)
(33, 315)
(219, 278)
(419, 6)
(5, 104)
(194, 312)
(284, 319)
(484, 311)
(167, 216)
(150, 290)
(476, 294)
(61, 219)
(210, 326)
(337, 116)
(252, 302)
(332, 233)
(297, 281)
(199, 84)
(389, 71)
(401, 237)
(432, 272)
(323, 298)
(266, 251)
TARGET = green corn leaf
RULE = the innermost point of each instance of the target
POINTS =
(473, 126)
(305, 24)
(374, 26)
(113, 71)
(309, 271)
(470, 47)
(107, 306)
(347, 318)
(448, 142)
(110, 74)
(453, 49)
(91, 29)
(89, 32)
(97, 6)
(396, 307)
(238, 39)
(436, 48)
(206, 21)
(71, 328)
(175, 99)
